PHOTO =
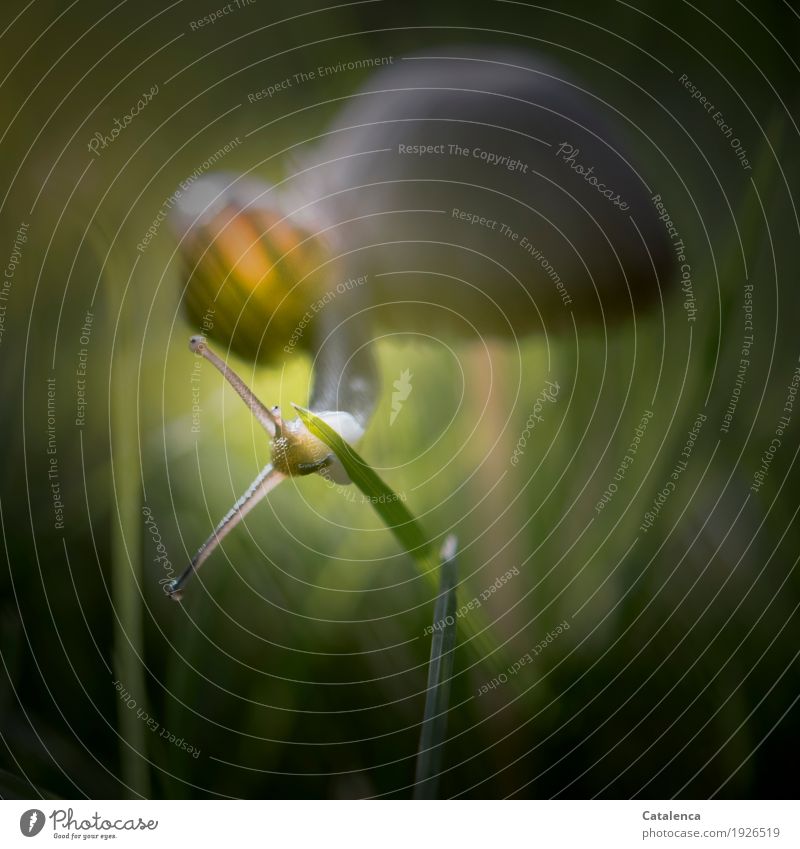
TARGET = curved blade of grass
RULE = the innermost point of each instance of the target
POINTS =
(401, 523)
(440, 671)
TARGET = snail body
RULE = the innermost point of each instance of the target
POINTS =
(485, 178)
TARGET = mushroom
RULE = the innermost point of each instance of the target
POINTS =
(467, 191)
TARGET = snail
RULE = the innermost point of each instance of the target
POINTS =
(467, 192)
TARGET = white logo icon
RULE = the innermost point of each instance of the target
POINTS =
(31, 822)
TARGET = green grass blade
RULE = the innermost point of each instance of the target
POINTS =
(126, 562)
(440, 671)
(386, 502)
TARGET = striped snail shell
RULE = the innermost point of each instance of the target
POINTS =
(249, 266)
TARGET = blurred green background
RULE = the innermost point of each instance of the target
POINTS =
(297, 666)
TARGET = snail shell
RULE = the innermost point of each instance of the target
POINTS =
(249, 266)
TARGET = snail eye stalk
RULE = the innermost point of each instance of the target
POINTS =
(267, 480)
(270, 419)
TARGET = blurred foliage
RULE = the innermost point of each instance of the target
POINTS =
(290, 665)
